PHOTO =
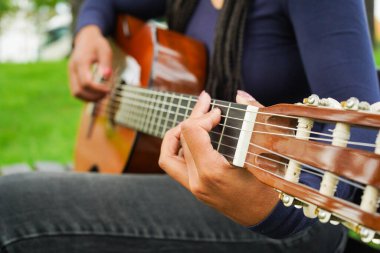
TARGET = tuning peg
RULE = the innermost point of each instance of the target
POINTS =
(324, 102)
(310, 211)
(375, 107)
(376, 240)
(298, 204)
(335, 220)
(351, 104)
(366, 234)
(324, 216)
(312, 100)
(286, 199)
(364, 106)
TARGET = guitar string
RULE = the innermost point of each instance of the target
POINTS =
(267, 158)
(309, 169)
(257, 122)
(194, 100)
(285, 157)
(160, 109)
(273, 174)
(162, 102)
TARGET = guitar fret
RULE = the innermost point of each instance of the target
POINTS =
(159, 112)
(149, 113)
(167, 115)
(176, 113)
(151, 125)
(187, 109)
(224, 126)
(139, 112)
(145, 116)
(154, 112)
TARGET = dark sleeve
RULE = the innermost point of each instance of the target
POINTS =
(335, 48)
(336, 51)
(103, 13)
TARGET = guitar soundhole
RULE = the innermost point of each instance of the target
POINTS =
(94, 169)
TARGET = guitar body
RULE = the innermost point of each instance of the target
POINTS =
(168, 61)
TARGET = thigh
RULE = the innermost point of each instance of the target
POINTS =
(69, 212)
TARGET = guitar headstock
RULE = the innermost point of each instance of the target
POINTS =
(285, 146)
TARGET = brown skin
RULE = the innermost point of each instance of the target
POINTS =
(188, 156)
(186, 153)
(90, 47)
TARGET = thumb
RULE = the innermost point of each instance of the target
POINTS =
(243, 97)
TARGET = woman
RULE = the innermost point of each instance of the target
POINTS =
(282, 51)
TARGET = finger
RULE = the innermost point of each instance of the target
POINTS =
(195, 134)
(202, 106)
(105, 62)
(192, 171)
(80, 92)
(206, 121)
(85, 77)
(169, 160)
(243, 97)
(180, 152)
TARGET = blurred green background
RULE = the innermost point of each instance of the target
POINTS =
(38, 116)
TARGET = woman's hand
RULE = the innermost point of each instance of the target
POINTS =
(90, 47)
(188, 156)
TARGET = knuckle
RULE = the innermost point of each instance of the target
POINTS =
(162, 162)
(76, 93)
(198, 190)
(187, 125)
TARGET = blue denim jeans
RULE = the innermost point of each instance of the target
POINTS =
(70, 212)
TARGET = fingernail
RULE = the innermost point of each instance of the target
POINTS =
(203, 93)
(245, 95)
(107, 72)
(216, 110)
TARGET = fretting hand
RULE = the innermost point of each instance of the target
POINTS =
(188, 156)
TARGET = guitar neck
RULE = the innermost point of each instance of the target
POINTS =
(155, 112)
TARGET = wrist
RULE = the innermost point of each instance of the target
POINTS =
(89, 31)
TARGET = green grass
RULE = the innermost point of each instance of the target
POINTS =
(38, 116)
(376, 53)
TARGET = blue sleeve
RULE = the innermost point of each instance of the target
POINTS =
(103, 13)
(336, 51)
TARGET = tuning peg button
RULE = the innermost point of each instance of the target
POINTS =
(366, 234)
(324, 216)
(286, 199)
(312, 100)
(351, 104)
(364, 106)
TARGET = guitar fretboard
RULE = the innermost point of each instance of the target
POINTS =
(155, 112)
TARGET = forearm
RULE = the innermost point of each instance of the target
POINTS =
(103, 13)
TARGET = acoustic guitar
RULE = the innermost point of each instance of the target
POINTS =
(159, 75)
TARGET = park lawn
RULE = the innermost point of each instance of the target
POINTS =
(38, 116)
(376, 54)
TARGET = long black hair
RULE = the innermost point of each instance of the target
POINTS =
(224, 70)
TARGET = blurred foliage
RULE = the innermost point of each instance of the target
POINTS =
(46, 3)
(6, 6)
